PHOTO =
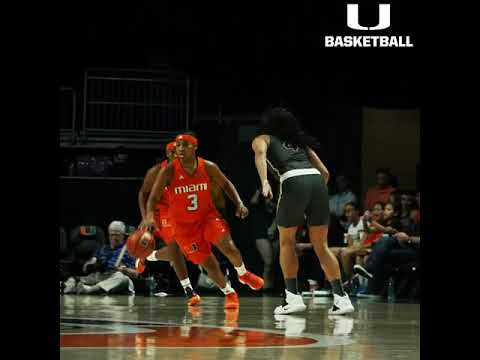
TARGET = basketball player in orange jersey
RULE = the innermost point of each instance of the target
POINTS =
(198, 224)
(165, 230)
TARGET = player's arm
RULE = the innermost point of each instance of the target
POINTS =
(162, 179)
(147, 185)
(219, 178)
(260, 147)
(318, 164)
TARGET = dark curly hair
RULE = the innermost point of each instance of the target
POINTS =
(281, 123)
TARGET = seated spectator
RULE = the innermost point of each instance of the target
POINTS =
(394, 199)
(381, 254)
(102, 274)
(380, 223)
(375, 224)
(262, 214)
(355, 238)
(340, 199)
(406, 205)
(381, 191)
(390, 217)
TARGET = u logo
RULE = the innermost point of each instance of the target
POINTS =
(383, 18)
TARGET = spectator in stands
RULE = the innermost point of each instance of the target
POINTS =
(102, 273)
(375, 224)
(382, 222)
(381, 191)
(343, 196)
(394, 199)
(355, 238)
(406, 205)
(390, 217)
(262, 213)
(381, 255)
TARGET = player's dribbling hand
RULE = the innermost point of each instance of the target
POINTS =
(242, 212)
(267, 190)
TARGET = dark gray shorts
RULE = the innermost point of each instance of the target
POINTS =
(300, 196)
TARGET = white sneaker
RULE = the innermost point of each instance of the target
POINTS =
(293, 304)
(360, 270)
(341, 305)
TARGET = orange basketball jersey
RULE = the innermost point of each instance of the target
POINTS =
(189, 195)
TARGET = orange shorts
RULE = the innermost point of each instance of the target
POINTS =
(196, 239)
(165, 229)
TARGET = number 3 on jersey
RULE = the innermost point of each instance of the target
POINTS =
(194, 199)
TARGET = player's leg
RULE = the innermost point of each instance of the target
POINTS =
(265, 248)
(216, 231)
(177, 261)
(318, 218)
(290, 214)
(212, 266)
(172, 253)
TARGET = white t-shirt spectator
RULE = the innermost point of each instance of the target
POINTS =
(337, 202)
(356, 231)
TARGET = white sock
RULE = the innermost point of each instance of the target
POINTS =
(241, 270)
(186, 283)
(227, 289)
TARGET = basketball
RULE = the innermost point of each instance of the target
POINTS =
(140, 243)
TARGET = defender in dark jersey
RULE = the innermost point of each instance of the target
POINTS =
(303, 193)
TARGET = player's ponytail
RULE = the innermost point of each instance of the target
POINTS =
(283, 124)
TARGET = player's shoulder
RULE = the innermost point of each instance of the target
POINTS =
(153, 170)
(211, 166)
(208, 163)
(262, 137)
(261, 141)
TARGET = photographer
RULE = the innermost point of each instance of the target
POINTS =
(102, 274)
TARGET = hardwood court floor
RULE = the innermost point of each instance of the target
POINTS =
(122, 327)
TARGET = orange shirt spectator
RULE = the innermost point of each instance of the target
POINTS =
(381, 191)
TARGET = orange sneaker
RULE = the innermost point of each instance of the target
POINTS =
(140, 265)
(255, 282)
(193, 300)
(231, 301)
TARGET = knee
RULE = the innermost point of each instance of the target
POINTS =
(322, 249)
(229, 248)
(287, 242)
